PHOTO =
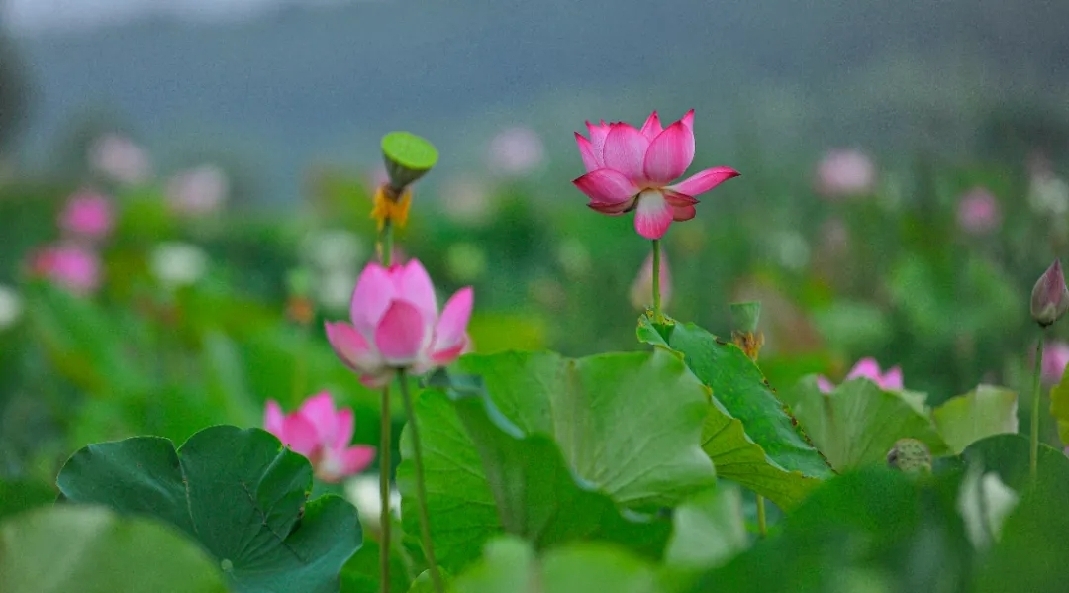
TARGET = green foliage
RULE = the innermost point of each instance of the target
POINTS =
(551, 447)
(858, 423)
(748, 433)
(237, 492)
(94, 550)
(983, 412)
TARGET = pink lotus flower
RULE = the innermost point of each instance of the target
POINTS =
(118, 157)
(88, 215)
(1055, 359)
(642, 288)
(845, 173)
(869, 369)
(396, 324)
(73, 267)
(629, 169)
(322, 434)
(201, 190)
(515, 151)
(978, 212)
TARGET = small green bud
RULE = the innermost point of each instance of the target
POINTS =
(911, 456)
(745, 316)
(1050, 296)
(408, 157)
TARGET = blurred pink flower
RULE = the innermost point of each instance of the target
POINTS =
(322, 434)
(71, 266)
(1055, 359)
(87, 215)
(845, 172)
(515, 151)
(869, 369)
(630, 169)
(466, 200)
(201, 190)
(642, 287)
(979, 212)
(396, 324)
(118, 157)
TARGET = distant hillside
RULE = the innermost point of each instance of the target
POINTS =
(305, 84)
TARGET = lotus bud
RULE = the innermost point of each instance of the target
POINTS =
(1050, 296)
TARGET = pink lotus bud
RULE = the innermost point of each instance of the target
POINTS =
(845, 173)
(1055, 359)
(979, 212)
(70, 266)
(395, 324)
(515, 151)
(869, 369)
(322, 434)
(642, 287)
(631, 169)
(87, 215)
(1050, 296)
(121, 159)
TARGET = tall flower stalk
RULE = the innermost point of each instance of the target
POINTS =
(1049, 302)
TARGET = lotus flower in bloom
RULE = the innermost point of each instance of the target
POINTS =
(118, 157)
(845, 173)
(642, 287)
(322, 434)
(630, 169)
(1055, 359)
(88, 215)
(73, 267)
(978, 212)
(395, 324)
(869, 369)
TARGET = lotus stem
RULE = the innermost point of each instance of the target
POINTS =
(656, 280)
(1033, 463)
(421, 486)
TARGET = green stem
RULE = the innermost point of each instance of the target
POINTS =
(421, 486)
(656, 279)
(762, 526)
(1034, 450)
(386, 242)
(384, 491)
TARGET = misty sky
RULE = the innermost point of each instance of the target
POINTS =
(36, 16)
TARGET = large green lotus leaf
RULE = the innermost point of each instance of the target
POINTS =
(1031, 554)
(550, 447)
(870, 530)
(91, 549)
(509, 565)
(361, 573)
(238, 492)
(983, 412)
(858, 423)
(748, 433)
(707, 530)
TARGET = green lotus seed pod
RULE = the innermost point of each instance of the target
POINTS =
(910, 456)
(408, 157)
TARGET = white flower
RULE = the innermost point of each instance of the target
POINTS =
(334, 288)
(1048, 194)
(119, 158)
(10, 307)
(984, 502)
(200, 190)
(334, 250)
(363, 492)
(178, 264)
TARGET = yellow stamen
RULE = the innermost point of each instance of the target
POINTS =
(389, 206)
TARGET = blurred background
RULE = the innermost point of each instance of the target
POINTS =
(185, 188)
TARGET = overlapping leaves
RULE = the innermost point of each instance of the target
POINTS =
(552, 448)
